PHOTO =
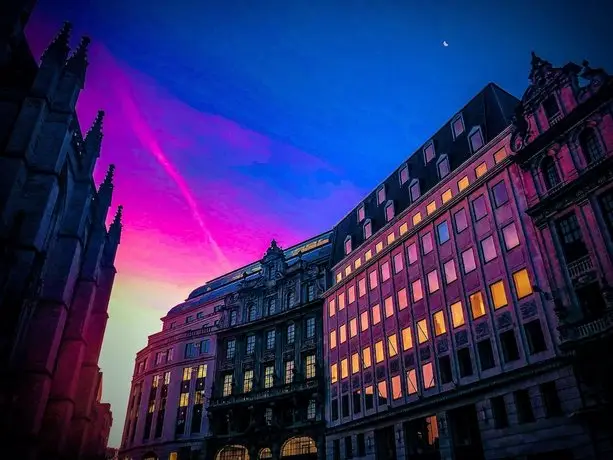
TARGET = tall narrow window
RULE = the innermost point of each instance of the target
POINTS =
(468, 259)
(417, 291)
(404, 175)
(381, 195)
(429, 152)
(457, 125)
(457, 314)
(488, 249)
(389, 210)
(477, 305)
(460, 220)
(414, 190)
(443, 167)
(398, 263)
(523, 287)
(367, 229)
(412, 253)
(442, 230)
(571, 238)
(347, 245)
(511, 238)
(426, 243)
(450, 272)
(590, 145)
(475, 138)
(552, 109)
(479, 208)
(361, 213)
(500, 194)
(550, 173)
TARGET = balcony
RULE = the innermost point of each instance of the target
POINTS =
(591, 330)
(580, 267)
(254, 396)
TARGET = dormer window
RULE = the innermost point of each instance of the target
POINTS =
(552, 109)
(367, 229)
(457, 125)
(429, 152)
(414, 190)
(361, 213)
(443, 166)
(348, 245)
(475, 139)
(381, 195)
(389, 210)
(404, 175)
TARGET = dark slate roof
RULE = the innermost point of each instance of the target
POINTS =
(313, 249)
(492, 109)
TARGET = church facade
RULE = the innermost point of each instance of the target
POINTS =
(56, 253)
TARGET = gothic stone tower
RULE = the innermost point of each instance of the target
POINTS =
(56, 254)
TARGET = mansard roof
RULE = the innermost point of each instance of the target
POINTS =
(492, 110)
(314, 249)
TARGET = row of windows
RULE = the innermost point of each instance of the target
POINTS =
(270, 338)
(269, 375)
(479, 208)
(271, 307)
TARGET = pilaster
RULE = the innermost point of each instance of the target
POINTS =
(445, 441)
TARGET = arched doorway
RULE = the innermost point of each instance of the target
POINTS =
(299, 448)
(235, 452)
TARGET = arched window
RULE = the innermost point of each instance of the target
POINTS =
(348, 244)
(367, 229)
(291, 297)
(442, 165)
(265, 454)
(252, 312)
(590, 145)
(550, 173)
(298, 446)
(389, 210)
(233, 453)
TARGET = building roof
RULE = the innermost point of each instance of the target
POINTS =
(316, 248)
(492, 109)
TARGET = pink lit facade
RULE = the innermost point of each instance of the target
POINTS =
(171, 386)
(440, 333)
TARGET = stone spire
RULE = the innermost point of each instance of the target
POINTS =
(93, 138)
(60, 46)
(116, 226)
(105, 195)
(77, 63)
(539, 68)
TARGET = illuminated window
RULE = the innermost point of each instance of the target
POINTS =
(385, 271)
(333, 339)
(332, 307)
(431, 207)
(481, 170)
(361, 213)
(368, 255)
(457, 314)
(417, 292)
(388, 305)
(500, 155)
(269, 373)
(187, 371)
(364, 321)
(389, 211)
(381, 195)
(347, 245)
(404, 174)
(379, 247)
(511, 238)
(429, 151)
(367, 227)
(417, 218)
(426, 243)
(477, 305)
(289, 371)
(411, 381)
(439, 323)
(355, 363)
(422, 331)
(402, 299)
(357, 264)
(396, 387)
(468, 259)
(372, 277)
(309, 366)
(376, 314)
(362, 287)
(227, 385)
(428, 373)
(351, 294)
(488, 248)
(339, 277)
(390, 238)
(450, 272)
(353, 327)
(398, 263)
(432, 281)
(342, 332)
(499, 297)
(392, 345)
(347, 271)
(521, 280)
(382, 389)
(461, 222)
(366, 357)
(463, 183)
(404, 228)
(442, 231)
(334, 373)
(407, 339)
(341, 301)
(344, 369)
(412, 253)
(447, 195)
(379, 354)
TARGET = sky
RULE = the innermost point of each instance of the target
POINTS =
(232, 122)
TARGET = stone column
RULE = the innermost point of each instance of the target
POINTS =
(445, 440)
(400, 440)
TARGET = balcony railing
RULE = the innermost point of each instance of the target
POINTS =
(252, 396)
(580, 267)
(589, 330)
